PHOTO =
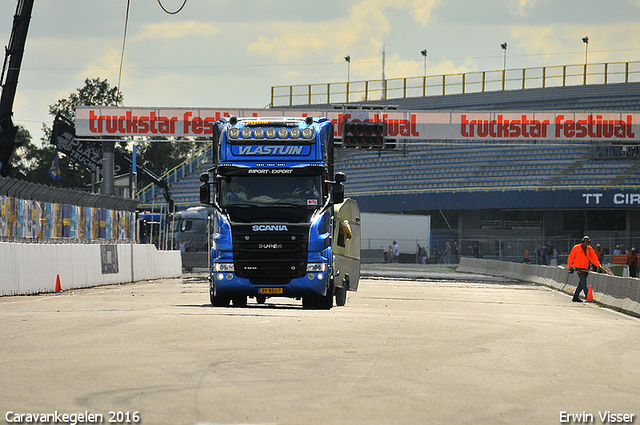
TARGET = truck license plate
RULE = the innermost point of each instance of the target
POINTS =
(270, 291)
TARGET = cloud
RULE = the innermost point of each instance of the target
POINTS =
(423, 9)
(521, 8)
(360, 34)
(175, 31)
(609, 42)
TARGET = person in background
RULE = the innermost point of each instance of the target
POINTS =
(600, 253)
(456, 252)
(446, 255)
(541, 253)
(423, 255)
(396, 252)
(389, 255)
(551, 254)
(579, 258)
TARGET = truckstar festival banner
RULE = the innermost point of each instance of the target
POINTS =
(407, 125)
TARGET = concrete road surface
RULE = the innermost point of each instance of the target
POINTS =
(454, 349)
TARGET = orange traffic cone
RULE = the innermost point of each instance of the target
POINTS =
(590, 294)
(58, 288)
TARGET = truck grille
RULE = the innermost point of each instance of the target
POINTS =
(270, 257)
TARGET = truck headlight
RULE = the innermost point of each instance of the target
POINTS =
(316, 267)
(223, 267)
(308, 133)
(283, 133)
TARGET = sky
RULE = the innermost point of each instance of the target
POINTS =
(229, 53)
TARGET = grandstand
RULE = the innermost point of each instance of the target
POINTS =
(496, 199)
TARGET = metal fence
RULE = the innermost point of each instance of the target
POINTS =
(469, 82)
(38, 213)
(502, 248)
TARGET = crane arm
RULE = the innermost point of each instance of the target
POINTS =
(9, 82)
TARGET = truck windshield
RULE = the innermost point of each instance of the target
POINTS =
(296, 191)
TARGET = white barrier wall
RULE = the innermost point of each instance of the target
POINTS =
(33, 268)
(620, 293)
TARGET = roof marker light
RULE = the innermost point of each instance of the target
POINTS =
(234, 132)
(308, 133)
(283, 133)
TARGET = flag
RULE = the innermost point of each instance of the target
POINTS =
(135, 159)
(54, 170)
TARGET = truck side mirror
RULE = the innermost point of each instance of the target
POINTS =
(338, 193)
(338, 188)
(205, 194)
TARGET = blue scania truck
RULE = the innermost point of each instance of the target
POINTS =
(280, 225)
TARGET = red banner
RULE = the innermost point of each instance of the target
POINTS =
(407, 125)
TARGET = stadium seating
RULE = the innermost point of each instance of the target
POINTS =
(424, 167)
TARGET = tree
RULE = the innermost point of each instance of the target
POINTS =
(96, 92)
(161, 156)
(22, 164)
(158, 156)
(32, 163)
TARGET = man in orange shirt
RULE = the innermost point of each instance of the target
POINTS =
(579, 258)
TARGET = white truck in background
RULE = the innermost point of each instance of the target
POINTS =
(379, 230)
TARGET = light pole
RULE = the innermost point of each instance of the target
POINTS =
(348, 60)
(504, 61)
(424, 85)
(585, 40)
(504, 64)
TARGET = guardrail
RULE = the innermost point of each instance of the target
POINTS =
(619, 293)
(469, 82)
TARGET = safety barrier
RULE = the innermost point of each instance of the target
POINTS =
(619, 293)
(31, 268)
(83, 239)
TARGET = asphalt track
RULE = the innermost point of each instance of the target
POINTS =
(414, 345)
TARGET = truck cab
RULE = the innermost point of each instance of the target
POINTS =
(274, 220)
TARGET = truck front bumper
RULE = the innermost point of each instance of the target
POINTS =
(227, 284)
